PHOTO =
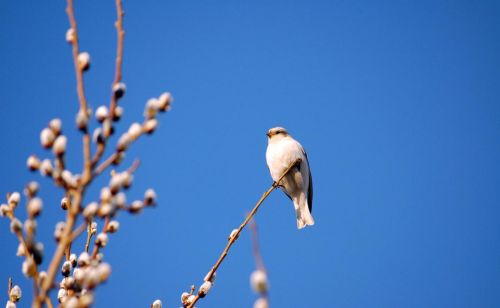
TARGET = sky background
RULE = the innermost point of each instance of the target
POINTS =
(396, 102)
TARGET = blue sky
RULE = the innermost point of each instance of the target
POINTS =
(396, 102)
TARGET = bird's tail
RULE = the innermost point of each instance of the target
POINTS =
(304, 217)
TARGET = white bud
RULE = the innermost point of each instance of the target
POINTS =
(33, 163)
(14, 199)
(29, 267)
(90, 210)
(261, 303)
(47, 137)
(30, 226)
(83, 259)
(97, 136)
(67, 283)
(86, 299)
(41, 276)
(55, 125)
(102, 239)
(61, 294)
(105, 194)
(31, 189)
(46, 167)
(70, 35)
(20, 250)
(156, 304)
(118, 113)
(150, 126)
(15, 225)
(165, 100)
(65, 203)
(134, 131)
(149, 197)
(184, 298)
(15, 293)
(59, 146)
(84, 61)
(10, 305)
(66, 268)
(136, 206)
(35, 207)
(151, 108)
(120, 199)
(212, 279)
(106, 209)
(123, 142)
(258, 281)
(4, 210)
(113, 226)
(119, 89)
(233, 233)
(205, 287)
(73, 260)
(103, 271)
(101, 113)
(82, 118)
(71, 302)
(93, 227)
(59, 229)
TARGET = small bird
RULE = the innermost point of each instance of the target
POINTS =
(283, 150)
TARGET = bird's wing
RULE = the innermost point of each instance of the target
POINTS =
(310, 190)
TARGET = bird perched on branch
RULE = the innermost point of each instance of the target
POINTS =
(283, 150)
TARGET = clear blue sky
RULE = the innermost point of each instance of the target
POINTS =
(396, 102)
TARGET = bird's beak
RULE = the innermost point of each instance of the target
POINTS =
(268, 135)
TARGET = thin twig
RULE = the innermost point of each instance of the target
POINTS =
(240, 228)
(9, 287)
(89, 236)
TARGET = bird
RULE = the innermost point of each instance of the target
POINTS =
(283, 150)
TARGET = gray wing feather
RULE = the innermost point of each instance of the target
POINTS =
(310, 190)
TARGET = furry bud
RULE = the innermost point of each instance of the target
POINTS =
(258, 281)
(164, 101)
(35, 207)
(33, 163)
(156, 304)
(84, 61)
(14, 199)
(101, 240)
(15, 226)
(55, 125)
(47, 137)
(59, 146)
(70, 35)
(101, 113)
(119, 90)
(113, 226)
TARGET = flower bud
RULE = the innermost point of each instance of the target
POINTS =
(4, 210)
(55, 125)
(31, 189)
(29, 267)
(67, 283)
(33, 163)
(151, 108)
(70, 35)
(47, 137)
(84, 61)
(101, 240)
(10, 305)
(233, 233)
(41, 276)
(205, 287)
(113, 226)
(90, 210)
(120, 199)
(156, 304)
(119, 89)
(35, 207)
(134, 131)
(93, 227)
(98, 136)
(65, 203)
(59, 230)
(14, 199)
(101, 113)
(103, 271)
(30, 226)
(61, 294)
(123, 142)
(82, 118)
(83, 259)
(15, 226)
(73, 260)
(59, 146)
(258, 281)
(136, 207)
(38, 252)
(86, 299)
(106, 194)
(118, 113)
(164, 101)
(149, 197)
(211, 279)
(150, 126)
(21, 251)
(15, 293)
(46, 167)
(261, 303)
(66, 268)
(184, 298)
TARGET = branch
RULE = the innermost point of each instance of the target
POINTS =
(234, 235)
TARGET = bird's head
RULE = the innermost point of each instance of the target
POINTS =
(276, 132)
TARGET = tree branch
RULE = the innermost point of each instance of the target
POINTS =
(234, 236)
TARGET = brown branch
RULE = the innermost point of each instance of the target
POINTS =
(89, 236)
(259, 262)
(240, 228)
